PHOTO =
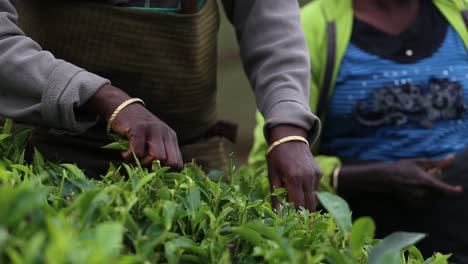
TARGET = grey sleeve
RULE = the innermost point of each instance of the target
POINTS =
(275, 57)
(37, 88)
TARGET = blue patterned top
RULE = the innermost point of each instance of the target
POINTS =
(383, 110)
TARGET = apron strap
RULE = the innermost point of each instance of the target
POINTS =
(329, 69)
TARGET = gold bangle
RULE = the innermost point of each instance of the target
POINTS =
(336, 173)
(119, 109)
(284, 140)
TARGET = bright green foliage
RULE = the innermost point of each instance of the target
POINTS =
(339, 209)
(53, 213)
(362, 231)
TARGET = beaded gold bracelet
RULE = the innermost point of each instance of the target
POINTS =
(284, 140)
(119, 109)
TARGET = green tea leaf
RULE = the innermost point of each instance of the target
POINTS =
(392, 245)
(193, 201)
(25, 169)
(337, 257)
(4, 136)
(415, 254)
(26, 202)
(4, 235)
(362, 231)
(279, 192)
(182, 242)
(169, 212)
(109, 238)
(38, 158)
(121, 145)
(34, 248)
(145, 180)
(248, 234)
(7, 126)
(392, 258)
(338, 208)
(438, 259)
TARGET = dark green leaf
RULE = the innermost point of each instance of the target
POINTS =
(339, 209)
(38, 158)
(279, 192)
(362, 231)
(122, 146)
(392, 245)
(248, 234)
(7, 126)
(415, 254)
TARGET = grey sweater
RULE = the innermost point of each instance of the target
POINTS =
(37, 88)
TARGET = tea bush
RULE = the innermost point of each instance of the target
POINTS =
(53, 213)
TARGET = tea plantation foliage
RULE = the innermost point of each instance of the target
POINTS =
(53, 213)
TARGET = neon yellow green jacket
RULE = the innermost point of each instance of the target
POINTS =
(315, 17)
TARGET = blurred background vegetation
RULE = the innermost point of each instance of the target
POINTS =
(236, 101)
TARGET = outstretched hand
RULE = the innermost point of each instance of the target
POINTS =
(413, 177)
(291, 166)
(411, 180)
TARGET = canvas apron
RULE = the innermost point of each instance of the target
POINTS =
(168, 60)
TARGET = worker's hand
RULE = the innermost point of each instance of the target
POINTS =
(412, 178)
(291, 165)
(149, 137)
(408, 180)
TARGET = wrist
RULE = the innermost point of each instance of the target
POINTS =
(106, 100)
(282, 131)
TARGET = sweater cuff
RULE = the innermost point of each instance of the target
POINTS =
(68, 88)
(293, 113)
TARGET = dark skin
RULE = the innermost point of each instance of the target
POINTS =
(290, 165)
(410, 179)
(149, 137)
(390, 16)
